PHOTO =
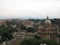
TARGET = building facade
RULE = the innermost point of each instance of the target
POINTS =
(48, 31)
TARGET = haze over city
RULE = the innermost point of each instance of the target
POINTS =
(29, 22)
(29, 9)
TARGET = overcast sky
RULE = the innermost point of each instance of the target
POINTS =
(29, 8)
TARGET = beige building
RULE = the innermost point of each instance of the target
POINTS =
(48, 31)
(28, 23)
(2, 22)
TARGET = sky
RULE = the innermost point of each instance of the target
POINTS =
(29, 9)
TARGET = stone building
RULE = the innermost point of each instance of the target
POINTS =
(28, 23)
(2, 22)
(48, 31)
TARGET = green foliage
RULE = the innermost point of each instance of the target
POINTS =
(30, 29)
(31, 41)
(37, 37)
(5, 32)
(49, 42)
(23, 27)
(57, 35)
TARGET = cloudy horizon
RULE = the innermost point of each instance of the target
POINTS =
(29, 9)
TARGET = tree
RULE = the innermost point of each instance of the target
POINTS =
(31, 41)
(8, 35)
(23, 27)
(30, 29)
(37, 37)
(5, 32)
(57, 35)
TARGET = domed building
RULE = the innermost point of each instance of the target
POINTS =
(48, 31)
(47, 22)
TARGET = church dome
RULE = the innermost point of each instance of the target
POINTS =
(47, 21)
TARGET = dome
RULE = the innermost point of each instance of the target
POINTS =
(47, 22)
